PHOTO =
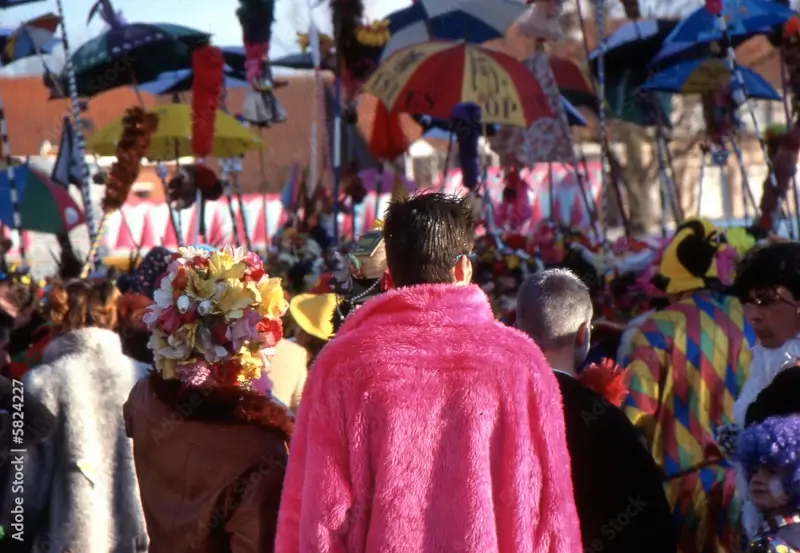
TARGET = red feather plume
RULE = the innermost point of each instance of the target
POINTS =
(607, 379)
(207, 66)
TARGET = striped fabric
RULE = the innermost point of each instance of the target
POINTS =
(687, 364)
(12, 183)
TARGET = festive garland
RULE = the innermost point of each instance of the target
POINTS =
(138, 127)
(207, 66)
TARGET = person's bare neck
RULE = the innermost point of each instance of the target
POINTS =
(561, 360)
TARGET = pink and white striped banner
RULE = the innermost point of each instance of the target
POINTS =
(149, 221)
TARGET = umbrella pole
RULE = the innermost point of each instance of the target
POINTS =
(702, 180)
(226, 179)
(787, 111)
(80, 143)
(733, 67)
(447, 160)
(550, 190)
(12, 185)
(599, 12)
(174, 215)
(337, 156)
(237, 189)
(748, 198)
(378, 190)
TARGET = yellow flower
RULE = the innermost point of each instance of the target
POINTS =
(222, 266)
(199, 288)
(273, 302)
(233, 297)
(187, 334)
(251, 365)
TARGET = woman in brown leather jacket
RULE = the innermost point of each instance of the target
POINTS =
(210, 464)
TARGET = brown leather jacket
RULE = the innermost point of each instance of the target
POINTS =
(206, 487)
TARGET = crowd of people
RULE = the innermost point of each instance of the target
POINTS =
(193, 406)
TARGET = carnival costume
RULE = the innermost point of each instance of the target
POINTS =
(687, 364)
(772, 444)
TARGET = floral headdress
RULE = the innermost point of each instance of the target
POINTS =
(216, 318)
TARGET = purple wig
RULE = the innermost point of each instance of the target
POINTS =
(773, 443)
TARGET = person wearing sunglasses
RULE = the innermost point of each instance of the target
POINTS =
(768, 284)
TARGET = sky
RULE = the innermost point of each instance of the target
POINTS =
(217, 17)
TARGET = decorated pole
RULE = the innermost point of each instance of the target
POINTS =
(600, 19)
(95, 234)
(12, 184)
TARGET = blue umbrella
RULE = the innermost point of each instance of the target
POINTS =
(701, 76)
(173, 82)
(14, 3)
(475, 21)
(744, 18)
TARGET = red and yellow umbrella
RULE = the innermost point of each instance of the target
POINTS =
(432, 77)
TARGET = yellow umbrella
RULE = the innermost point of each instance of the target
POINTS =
(173, 138)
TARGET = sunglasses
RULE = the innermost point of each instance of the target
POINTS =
(766, 299)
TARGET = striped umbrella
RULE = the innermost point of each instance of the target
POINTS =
(431, 78)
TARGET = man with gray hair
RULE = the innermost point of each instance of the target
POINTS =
(555, 309)
(618, 487)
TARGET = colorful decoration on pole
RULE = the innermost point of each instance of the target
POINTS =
(261, 107)
(182, 190)
(542, 20)
(358, 46)
(138, 127)
(466, 118)
(208, 67)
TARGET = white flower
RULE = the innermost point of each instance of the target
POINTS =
(183, 304)
(204, 308)
(151, 315)
(192, 251)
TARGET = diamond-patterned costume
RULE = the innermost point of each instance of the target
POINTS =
(687, 364)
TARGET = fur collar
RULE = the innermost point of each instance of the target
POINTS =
(90, 341)
(446, 304)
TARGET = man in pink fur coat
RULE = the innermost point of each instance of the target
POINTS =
(427, 426)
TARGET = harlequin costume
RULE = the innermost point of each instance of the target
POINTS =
(687, 364)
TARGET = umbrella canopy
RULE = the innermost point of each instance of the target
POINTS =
(174, 82)
(439, 129)
(627, 102)
(173, 139)
(633, 44)
(32, 38)
(431, 78)
(705, 76)
(44, 206)
(14, 3)
(131, 54)
(475, 21)
(743, 18)
(572, 81)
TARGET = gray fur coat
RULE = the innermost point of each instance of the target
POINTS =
(80, 489)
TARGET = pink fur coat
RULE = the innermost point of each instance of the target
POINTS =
(427, 427)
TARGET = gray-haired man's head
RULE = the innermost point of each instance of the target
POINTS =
(555, 309)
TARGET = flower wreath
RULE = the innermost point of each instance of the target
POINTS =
(216, 318)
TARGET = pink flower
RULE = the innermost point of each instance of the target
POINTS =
(243, 330)
(255, 267)
(169, 320)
